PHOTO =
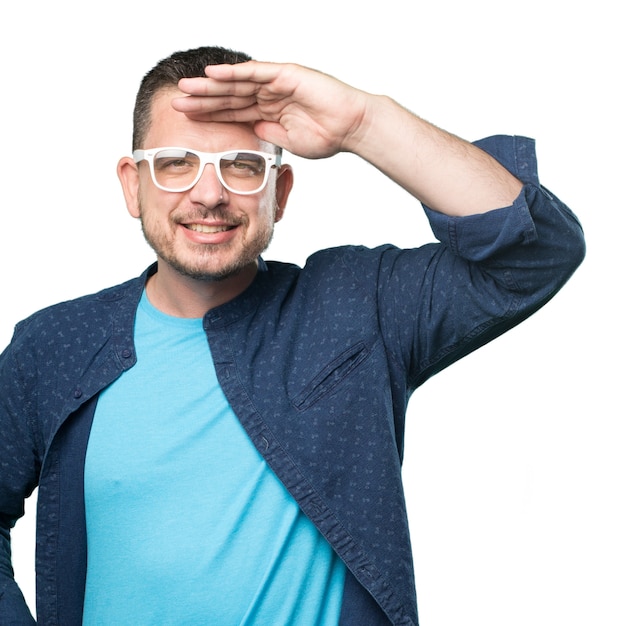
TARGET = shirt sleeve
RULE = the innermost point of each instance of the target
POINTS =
(487, 273)
(18, 474)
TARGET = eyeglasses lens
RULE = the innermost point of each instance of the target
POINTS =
(239, 171)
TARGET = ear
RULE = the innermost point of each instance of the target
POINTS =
(284, 183)
(128, 174)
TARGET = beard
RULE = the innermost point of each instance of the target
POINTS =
(209, 262)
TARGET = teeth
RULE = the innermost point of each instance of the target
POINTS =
(203, 228)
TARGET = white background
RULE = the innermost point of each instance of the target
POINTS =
(515, 462)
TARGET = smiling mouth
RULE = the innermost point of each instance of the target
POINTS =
(204, 228)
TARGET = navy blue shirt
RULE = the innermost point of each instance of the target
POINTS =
(318, 364)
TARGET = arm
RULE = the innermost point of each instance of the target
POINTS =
(508, 244)
(18, 471)
(492, 271)
(314, 115)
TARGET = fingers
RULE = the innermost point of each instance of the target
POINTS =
(194, 105)
(251, 71)
(228, 93)
(204, 111)
(243, 92)
(240, 79)
(302, 110)
(201, 86)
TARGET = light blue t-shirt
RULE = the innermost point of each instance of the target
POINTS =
(186, 524)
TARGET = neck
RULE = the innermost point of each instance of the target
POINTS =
(183, 296)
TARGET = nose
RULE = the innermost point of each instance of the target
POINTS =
(208, 190)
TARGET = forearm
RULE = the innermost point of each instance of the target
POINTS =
(313, 115)
(444, 172)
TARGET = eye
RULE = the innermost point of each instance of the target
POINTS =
(243, 164)
(172, 164)
(175, 160)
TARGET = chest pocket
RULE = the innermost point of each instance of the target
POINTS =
(330, 376)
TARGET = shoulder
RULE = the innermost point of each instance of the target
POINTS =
(335, 264)
(90, 314)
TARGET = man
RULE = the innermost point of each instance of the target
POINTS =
(219, 441)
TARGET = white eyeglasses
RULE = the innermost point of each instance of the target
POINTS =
(179, 169)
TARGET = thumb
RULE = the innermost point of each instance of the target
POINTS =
(271, 132)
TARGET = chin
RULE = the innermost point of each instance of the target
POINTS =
(212, 272)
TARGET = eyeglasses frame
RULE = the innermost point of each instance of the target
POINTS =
(272, 161)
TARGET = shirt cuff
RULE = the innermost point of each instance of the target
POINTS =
(478, 237)
(515, 153)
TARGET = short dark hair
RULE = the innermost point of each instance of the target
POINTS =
(167, 73)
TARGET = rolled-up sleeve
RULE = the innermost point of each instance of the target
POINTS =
(489, 272)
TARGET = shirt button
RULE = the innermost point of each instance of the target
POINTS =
(126, 353)
(78, 393)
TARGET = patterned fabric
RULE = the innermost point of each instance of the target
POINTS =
(318, 364)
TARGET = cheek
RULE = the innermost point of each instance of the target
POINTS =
(268, 206)
(155, 205)
(267, 215)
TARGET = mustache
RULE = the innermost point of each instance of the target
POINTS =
(201, 213)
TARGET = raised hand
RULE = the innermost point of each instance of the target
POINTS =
(314, 115)
(308, 113)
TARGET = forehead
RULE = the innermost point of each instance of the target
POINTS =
(169, 127)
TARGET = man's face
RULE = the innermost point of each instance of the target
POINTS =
(207, 232)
